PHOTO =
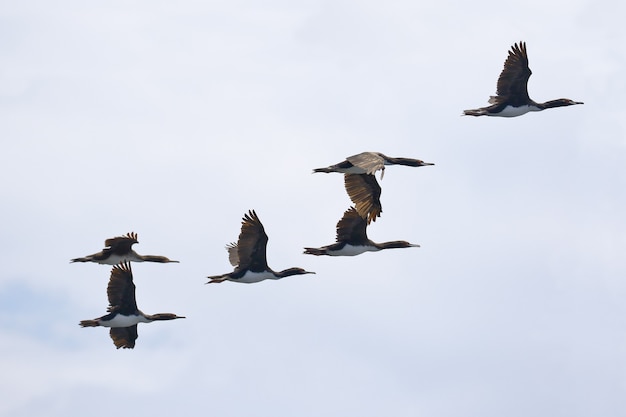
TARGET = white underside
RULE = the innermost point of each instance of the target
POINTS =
(252, 277)
(117, 259)
(349, 250)
(123, 321)
(510, 111)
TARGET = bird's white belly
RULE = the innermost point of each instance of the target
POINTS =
(113, 260)
(123, 321)
(118, 259)
(510, 111)
(349, 250)
(252, 277)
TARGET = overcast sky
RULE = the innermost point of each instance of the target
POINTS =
(172, 119)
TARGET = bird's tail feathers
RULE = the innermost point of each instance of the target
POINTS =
(216, 279)
(86, 259)
(474, 112)
(314, 251)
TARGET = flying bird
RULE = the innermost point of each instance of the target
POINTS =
(364, 191)
(511, 97)
(123, 313)
(248, 256)
(369, 163)
(360, 181)
(119, 249)
(352, 239)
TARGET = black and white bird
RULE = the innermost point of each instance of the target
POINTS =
(248, 256)
(511, 97)
(124, 315)
(119, 249)
(352, 239)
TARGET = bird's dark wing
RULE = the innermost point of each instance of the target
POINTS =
(370, 162)
(121, 289)
(124, 337)
(352, 228)
(121, 244)
(364, 191)
(252, 243)
(513, 80)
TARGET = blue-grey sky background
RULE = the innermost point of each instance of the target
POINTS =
(172, 119)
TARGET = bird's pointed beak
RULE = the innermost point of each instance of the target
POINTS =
(428, 163)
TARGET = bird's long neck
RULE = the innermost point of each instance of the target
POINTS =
(561, 102)
(289, 272)
(406, 161)
(154, 258)
(161, 316)
(388, 160)
(396, 244)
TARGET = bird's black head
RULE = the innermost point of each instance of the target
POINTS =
(572, 102)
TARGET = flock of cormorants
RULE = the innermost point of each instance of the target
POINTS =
(248, 255)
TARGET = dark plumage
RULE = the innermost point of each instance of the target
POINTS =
(123, 313)
(248, 255)
(119, 249)
(352, 238)
(364, 191)
(512, 98)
